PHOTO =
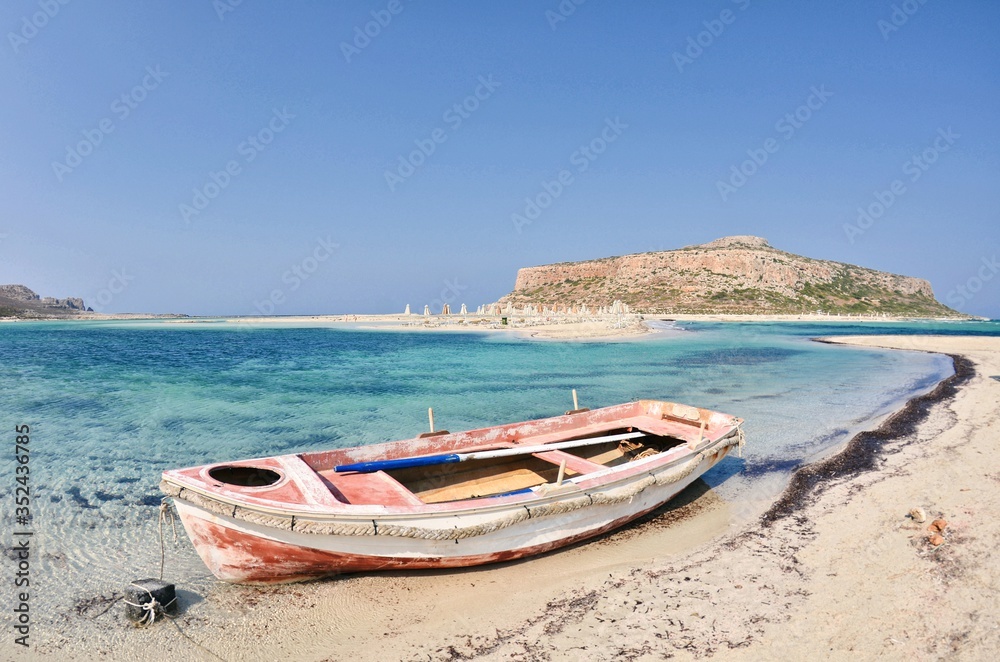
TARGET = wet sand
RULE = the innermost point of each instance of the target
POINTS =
(837, 570)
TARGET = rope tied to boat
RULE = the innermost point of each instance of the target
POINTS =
(165, 513)
(151, 608)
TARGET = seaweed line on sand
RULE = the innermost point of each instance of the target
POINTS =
(862, 451)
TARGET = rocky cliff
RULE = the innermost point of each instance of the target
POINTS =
(19, 301)
(740, 274)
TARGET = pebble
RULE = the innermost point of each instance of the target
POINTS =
(938, 525)
(936, 539)
(918, 514)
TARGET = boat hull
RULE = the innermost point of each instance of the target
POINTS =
(241, 551)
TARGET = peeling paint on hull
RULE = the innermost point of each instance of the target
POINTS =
(293, 519)
(276, 562)
(241, 553)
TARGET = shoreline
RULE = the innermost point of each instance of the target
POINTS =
(843, 573)
(552, 327)
(860, 453)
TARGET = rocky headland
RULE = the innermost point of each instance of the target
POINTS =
(732, 275)
(20, 301)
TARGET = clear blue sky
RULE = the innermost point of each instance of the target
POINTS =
(112, 226)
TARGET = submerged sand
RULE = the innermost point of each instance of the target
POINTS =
(842, 573)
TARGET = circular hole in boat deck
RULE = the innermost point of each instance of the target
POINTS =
(245, 476)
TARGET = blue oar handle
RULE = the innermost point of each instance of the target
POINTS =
(402, 463)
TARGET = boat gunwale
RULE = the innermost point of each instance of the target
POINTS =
(610, 478)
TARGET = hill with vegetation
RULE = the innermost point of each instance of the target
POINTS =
(738, 275)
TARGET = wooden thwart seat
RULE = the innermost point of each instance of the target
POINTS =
(574, 463)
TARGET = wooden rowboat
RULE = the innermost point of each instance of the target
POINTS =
(446, 500)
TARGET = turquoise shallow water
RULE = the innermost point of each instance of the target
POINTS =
(113, 404)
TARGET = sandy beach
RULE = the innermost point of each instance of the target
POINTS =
(836, 570)
(541, 327)
(553, 327)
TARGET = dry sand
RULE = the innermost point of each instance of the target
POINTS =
(835, 571)
(553, 327)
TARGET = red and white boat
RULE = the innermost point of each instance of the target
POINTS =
(446, 500)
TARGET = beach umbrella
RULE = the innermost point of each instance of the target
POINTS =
(427, 311)
(464, 311)
(407, 311)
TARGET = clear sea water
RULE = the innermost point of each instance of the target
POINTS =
(113, 404)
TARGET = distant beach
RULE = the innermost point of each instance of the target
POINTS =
(560, 327)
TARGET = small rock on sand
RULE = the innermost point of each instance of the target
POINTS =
(936, 539)
(938, 525)
(918, 514)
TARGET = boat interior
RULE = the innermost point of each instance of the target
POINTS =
(484, 478)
